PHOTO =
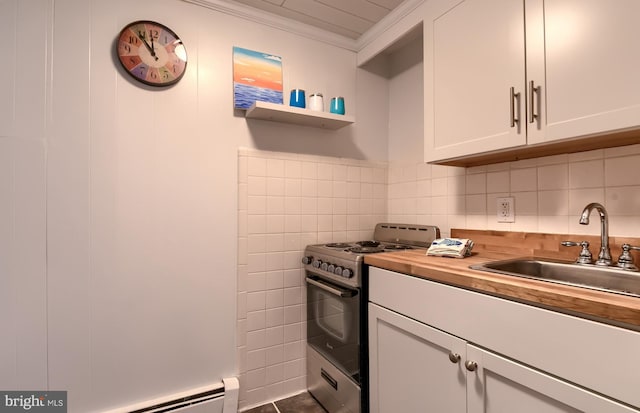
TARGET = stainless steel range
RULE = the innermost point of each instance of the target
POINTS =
(337, 279)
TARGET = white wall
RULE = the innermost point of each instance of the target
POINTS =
(118, 220)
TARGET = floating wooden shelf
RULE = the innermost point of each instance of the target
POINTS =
(288, 114)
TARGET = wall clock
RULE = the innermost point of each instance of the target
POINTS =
(152, 53)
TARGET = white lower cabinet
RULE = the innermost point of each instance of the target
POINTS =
(500, 385)
(410, 370)
(417, 367)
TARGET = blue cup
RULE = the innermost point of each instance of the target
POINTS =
(297, 98)
(337, 105)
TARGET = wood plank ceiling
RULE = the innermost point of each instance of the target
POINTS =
(348, 18)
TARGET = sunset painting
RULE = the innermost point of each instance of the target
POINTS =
(256, 77)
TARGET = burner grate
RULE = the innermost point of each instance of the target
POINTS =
(341, 245)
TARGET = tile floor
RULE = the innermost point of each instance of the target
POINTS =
(300, 403)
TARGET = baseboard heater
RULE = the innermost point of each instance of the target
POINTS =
(219, 397)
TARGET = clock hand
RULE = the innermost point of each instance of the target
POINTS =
(151, 50)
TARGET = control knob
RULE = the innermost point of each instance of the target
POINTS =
(324, 266)
(338, 270)
(347, 273)
(331, 268)
(316, 263)
(307, 260)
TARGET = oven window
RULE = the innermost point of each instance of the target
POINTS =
(333, 326)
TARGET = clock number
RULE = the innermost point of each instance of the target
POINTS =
(133, 40)
(153, 34)
(126, 47)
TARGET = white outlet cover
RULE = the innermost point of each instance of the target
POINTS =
(506, 209)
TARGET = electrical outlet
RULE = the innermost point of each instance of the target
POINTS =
(505, 208)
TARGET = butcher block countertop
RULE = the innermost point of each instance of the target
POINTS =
(612, 308)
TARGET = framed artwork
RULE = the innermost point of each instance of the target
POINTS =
(257, 76)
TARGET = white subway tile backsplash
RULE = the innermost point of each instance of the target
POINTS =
(287, 201)
(271, 299)
(553, 177)
(325, 189)
(524, 180)
(274, 317)
(292, 187)
(622, 151)
(526, 203)
(255, 321)
(309, 188)
(275, 186)
(476, 184)
(292, 296)
(274, 336)
(587, 174)
(292, 168)
(256, 224)
(622, 200)
(476, 204)
(256, 166)
(339, 172)
(274, 374)
(309, 170)
(325, 171)
(553, 203)
(275, 167)
(274, 224)
(274, 280)
(275, 205)
(274, 242)
(498, 182)
(339, 190)
(579, 198)
(353, 174)
(274, 355)
(620, 171)
(439, 187)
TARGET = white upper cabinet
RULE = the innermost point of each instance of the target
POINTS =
(474, 55)
(572, 65)
(592, 58)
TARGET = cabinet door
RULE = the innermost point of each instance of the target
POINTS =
(499, 385)
(592, 59)
(410, 366)
(474, 53)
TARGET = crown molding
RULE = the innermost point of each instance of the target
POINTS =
(277, 22)
(397, 14)
(288, 25)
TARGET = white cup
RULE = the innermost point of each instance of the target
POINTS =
(316, 102)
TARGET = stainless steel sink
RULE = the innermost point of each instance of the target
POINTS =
(607, 279)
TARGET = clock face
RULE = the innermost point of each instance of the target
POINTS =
(152, 53)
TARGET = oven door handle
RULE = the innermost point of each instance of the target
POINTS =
(340, 292)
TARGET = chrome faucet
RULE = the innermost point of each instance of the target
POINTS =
(604, 257)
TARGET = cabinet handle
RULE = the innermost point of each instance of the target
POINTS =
(471, 365)
(533, 90)
(454, 357)
(513, 96)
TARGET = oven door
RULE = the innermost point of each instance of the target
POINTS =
(333, 324)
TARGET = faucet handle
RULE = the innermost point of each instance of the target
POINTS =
(625, 260)
(585, 256)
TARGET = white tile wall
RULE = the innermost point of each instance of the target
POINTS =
(549, 193)
(286, 202)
